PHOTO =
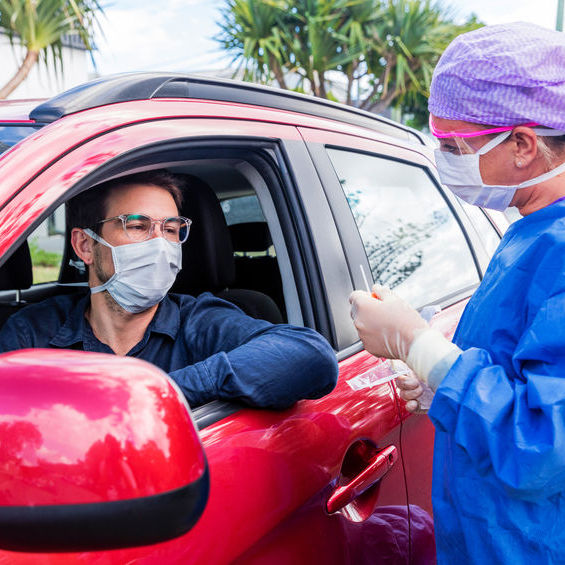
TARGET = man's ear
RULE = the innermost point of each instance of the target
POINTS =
(82, 244)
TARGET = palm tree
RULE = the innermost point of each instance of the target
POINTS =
(313, 37)
(386, 49)
(250, 30)
(270, 38)
(407, 40)
(356, 36)
(40, 26)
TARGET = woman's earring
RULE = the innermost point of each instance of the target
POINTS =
(519, 164)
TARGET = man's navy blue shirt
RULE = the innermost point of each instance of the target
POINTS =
(209, 347)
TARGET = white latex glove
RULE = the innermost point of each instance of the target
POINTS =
(390, 327)
(386, 325)
(418, 396)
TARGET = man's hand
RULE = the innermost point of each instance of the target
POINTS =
(417, 395)
(386, 325)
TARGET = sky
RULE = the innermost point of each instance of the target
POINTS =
(177, 35)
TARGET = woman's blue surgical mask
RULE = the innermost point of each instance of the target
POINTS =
(462, 175)
(144, 272)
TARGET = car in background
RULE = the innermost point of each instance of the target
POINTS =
(296, 199)
(15, 123)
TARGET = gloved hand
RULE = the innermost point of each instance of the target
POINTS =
(387, 325)
(417, 395)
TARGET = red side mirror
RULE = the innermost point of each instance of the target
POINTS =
(96, 452)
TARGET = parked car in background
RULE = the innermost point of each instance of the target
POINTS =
(299, 199)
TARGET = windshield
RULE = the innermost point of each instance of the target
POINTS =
(11, 134)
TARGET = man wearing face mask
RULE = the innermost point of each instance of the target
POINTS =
(129, 235)
(497, 106)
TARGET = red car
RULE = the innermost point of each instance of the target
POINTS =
(101, 460)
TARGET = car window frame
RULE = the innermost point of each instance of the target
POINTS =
(277, 167)
(411, 168)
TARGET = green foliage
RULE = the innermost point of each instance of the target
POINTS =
(382, 52)
(40, 257)
(249, 30)
(40, 26)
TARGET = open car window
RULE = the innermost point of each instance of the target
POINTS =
(255, 265)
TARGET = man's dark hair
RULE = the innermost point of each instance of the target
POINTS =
(90, 207)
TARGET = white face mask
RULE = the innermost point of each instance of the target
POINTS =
(462, 175)
(144, 272)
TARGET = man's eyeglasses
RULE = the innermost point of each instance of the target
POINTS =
(139, 227)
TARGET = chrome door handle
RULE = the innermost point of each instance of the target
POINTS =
(374, 472)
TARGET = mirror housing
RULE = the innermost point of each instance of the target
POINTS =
(96, 452)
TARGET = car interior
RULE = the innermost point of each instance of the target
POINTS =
(236, 252)
(235, 248)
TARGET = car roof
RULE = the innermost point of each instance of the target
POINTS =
(146, 86)
(18, 110)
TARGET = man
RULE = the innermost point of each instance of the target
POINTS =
(128, 234)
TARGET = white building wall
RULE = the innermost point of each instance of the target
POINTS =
(42, 82)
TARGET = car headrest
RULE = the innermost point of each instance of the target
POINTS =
(16, 273)
(207, 255)
(250, 236)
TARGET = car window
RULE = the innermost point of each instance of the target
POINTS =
(487, 232)
(245, 210)
(10, 135)
(242, 210)
(413, 242)
(46, 245)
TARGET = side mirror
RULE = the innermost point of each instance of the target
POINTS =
(96, 452)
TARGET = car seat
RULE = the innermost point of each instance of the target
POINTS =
(255, 268)
(208, 262)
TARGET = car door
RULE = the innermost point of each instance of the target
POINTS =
(402, 230)
(357, 510)
(272, 473)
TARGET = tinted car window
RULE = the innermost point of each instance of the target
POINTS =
(10, 135)
(241, 210)
(413, 242)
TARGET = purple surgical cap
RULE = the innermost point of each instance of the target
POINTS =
(502, 75)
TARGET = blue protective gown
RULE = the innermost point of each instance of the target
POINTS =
(499, 413)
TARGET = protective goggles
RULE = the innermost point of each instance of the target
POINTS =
(462, 142)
